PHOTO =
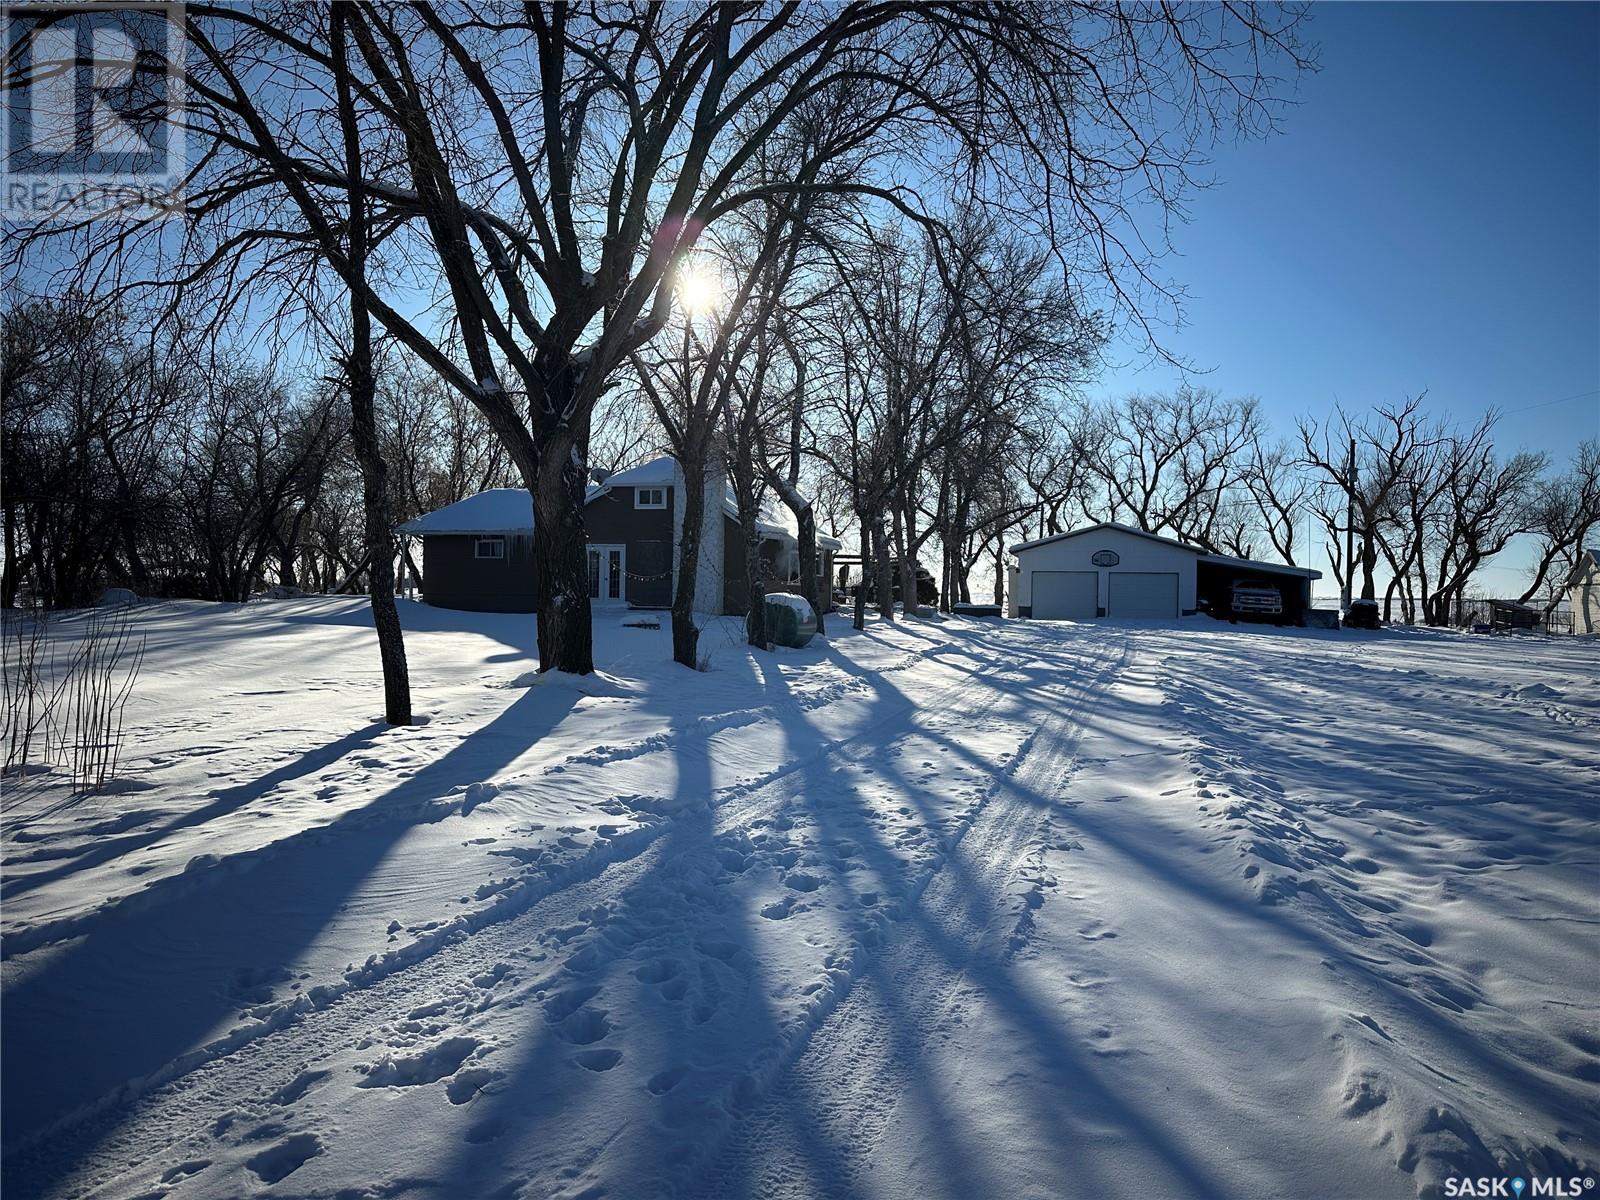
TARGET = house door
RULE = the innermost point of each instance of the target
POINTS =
(606, 574)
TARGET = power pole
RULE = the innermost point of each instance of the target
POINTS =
(1349, 529)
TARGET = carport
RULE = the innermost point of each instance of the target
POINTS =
(1215, 575)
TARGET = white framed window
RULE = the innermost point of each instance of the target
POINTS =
(489, 547)
(650, 497)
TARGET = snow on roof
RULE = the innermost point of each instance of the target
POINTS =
(1116, 525)
(661, 471)
(1221, 560)
(510, 510)
(498, 510)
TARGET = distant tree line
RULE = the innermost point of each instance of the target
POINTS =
(929, 415)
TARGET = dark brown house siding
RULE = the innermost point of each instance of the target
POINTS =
(611, 519)
(454, 577)
(734, 588)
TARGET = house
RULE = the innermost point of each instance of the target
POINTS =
(1583, 593)
(1112, 570)
(477, 553)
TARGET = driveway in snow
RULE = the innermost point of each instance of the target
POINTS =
(944, 909)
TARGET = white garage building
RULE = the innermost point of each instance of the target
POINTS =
(1111, 570)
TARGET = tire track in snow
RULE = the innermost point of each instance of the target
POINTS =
(268, 1057)
(849, 1072)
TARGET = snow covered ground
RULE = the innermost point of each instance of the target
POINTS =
(948, 909)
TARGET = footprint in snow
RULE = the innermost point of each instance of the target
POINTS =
(663, 1082)
(584, 1027)
(598, 1060)
(185, 1169)
(426, 1066)
(288, 1156)
(779, 910)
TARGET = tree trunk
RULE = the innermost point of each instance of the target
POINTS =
(905, 534)
(807, 522)
(860, 618)
(755, 617)
(10, 576)
(1369, 563)
(884, 570)
(380, 536)
(742, 469)
(685, 634)
(560, 558)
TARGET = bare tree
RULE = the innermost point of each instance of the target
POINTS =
(552, 166)
(1169, 461)
(1386, 445)
(1562, 514)
(380, 539)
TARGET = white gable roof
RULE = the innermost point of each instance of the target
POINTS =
(1072, 533)
(1201, 555)
(662, 472)
(498, 510)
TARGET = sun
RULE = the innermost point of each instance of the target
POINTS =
(699, 288)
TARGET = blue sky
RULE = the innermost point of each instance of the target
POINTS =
(1429, 218)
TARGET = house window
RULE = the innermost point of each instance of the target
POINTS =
(650, 497)
(489, 547)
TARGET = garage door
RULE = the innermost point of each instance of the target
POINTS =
(1143, 594)
(1066, 595)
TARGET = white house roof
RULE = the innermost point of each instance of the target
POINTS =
(498, 510)
(1221, 560)
(662, 471)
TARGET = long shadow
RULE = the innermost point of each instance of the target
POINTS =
(1177, 872)
(836, 824)
(671, 948)
(826, 1159)
(149, 984)
(227, 800)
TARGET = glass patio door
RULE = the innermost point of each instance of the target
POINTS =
(606, 573)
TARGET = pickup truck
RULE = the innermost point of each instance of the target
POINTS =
(1255, 598)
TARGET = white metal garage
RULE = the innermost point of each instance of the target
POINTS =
(1111, 570)
(1140, 594)
(1066, 595)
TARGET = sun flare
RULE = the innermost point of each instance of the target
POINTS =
(699, 288)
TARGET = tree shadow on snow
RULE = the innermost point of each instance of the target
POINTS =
(161, 975)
